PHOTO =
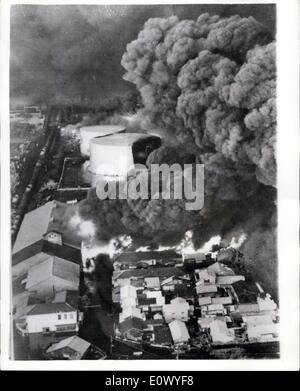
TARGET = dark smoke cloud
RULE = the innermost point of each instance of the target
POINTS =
(72, 54)
(209, 86)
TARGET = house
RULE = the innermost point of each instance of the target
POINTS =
(132, 328)
(45, 318)
(206, 289)
(127, 291)
(204, 277)
(213, 309)
(152, 282)
(204, 323)
(177, 309)
(71, 348)
(266, 303)
(131, 312)
(246, 291)
(43, 234)
(162, 335)
(225, 300)
(248, 308)
(219, 331)
(161, 272)
(205, 300)
(263, 332)
(179, 331)
(137, 259)
(229, 280)
(51, 276)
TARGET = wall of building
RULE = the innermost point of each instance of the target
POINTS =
(37, 323)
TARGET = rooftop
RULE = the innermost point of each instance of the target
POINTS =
(50, 308)
(121, 139)
(130, 323)
(161, 272)
(102, 130)
(132, 257)
(53, 267)
(34, 226)
(162, 335)
(75, 343)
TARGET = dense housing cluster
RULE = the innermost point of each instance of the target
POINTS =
(188, 301)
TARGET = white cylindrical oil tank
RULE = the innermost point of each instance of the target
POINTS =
(115, 155)
(89, 132)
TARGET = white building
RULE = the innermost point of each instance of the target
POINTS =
(176, 310)
(49, 317)
(127, 291)
(179, 331)
(219, 331)
(130, 312)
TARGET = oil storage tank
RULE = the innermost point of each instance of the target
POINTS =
(113, 156)
(89, 132)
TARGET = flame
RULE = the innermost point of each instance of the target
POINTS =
(236, 243)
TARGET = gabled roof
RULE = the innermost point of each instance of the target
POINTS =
(51, 217)
(162, 335)
(34, 226)
(131, 323)
(69, 297)
(161, 272)
(75, 343)
(53, 267)
(50, 308)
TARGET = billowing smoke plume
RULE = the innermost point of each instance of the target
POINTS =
(211, 83)
(71, 54)
(209, 87)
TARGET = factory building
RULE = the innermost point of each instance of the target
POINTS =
(87, 133)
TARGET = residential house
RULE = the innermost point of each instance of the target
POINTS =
(179, 331)
(132, 328)
(219, 331)
(177, 309)
(144, 259)
(71, 348)
(131, 312)
(162, 336)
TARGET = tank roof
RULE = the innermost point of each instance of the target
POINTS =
(102, 129)
(121, 139)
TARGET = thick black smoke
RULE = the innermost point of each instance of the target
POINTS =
(209, 87)
(71, 54)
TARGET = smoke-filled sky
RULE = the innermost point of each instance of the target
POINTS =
(71, 53)
(207, 78)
